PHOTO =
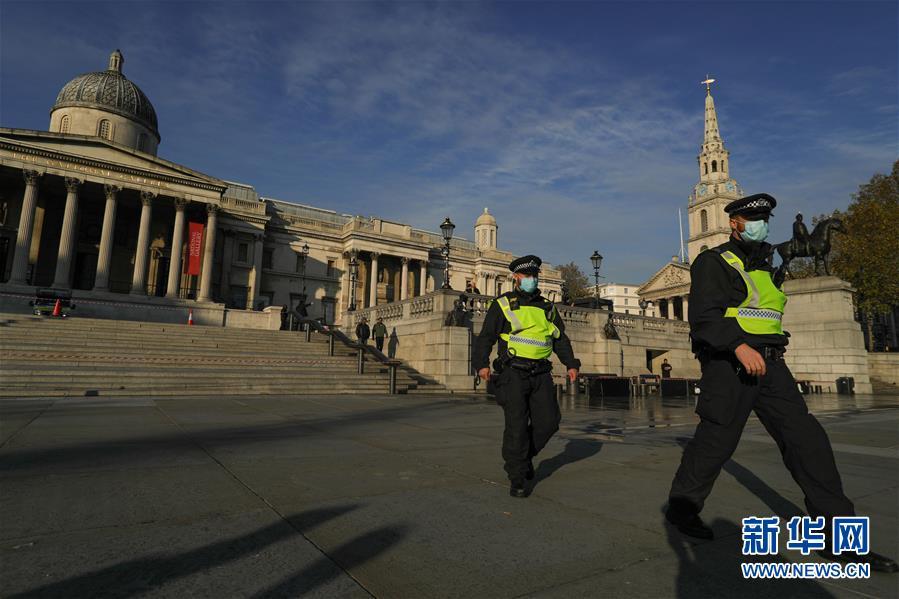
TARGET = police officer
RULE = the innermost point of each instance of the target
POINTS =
(528, 329)
(735, 325)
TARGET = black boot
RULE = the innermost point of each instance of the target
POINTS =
(517, 488)
(687, 521)
(879, 563)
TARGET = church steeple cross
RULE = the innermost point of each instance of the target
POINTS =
(708, 84)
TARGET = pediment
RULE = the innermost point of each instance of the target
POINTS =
(94, 151)
(672, 276)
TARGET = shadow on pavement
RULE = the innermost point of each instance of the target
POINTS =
(348, 556)
(141, 575)
(712, 568)
(575, 451)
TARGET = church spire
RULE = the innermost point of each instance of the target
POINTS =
(713, 156)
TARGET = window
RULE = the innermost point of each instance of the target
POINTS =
(703, 220)
(626, 301)
(723, 168)
(267, 256)
(625, 291)
(243, 250)
(64, 124)
(706, 168)
(331, 271)
(714, 166)
(300, 263)
(104, 129)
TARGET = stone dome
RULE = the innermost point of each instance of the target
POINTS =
(110, 91)
(485, 219)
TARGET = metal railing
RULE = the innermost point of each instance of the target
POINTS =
(336, 335)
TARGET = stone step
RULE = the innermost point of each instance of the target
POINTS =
(181, 391)
(141, 349)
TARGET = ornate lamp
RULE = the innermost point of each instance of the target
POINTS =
(446, 227)
(596, 259)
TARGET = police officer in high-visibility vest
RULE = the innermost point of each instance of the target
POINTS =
(735, 325)
(528, 329)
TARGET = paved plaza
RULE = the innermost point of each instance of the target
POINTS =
(398, 496)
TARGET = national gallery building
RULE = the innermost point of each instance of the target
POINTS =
(88, 206)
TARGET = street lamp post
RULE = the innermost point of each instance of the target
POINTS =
(446, 227)
(596, 259)
(354, 273)
(643, 305)
(303, 256)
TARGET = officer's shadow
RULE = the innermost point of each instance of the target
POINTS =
(575, 451)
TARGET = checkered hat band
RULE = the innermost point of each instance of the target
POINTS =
(526, 265)
(760, 203)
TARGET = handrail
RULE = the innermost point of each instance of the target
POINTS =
(343, 338)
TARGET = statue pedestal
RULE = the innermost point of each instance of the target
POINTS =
(826, 342)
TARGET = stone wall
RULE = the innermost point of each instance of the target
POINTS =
(826, 341)
(884, 367)
(418, 334)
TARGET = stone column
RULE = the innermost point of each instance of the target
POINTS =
(373, 288)
(208, 253)
(227, 255)
(174, 284)
(256, 274)
(404, 279)
(101, 281)
(67, 237)
(139, 278)
(684, 305)
(26, 228)
(423, 275)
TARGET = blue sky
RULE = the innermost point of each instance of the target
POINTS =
(577, 123)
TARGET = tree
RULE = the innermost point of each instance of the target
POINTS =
(868, 255)
(575, 280)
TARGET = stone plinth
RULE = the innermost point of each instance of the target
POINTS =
(826, 342)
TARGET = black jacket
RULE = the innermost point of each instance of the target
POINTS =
(495, 324)
(362, 331)
(715, 286)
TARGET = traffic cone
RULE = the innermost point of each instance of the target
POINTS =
(57, 309)
(190, 317)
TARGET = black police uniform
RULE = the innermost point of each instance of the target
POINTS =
(524, 388)
(728, 394)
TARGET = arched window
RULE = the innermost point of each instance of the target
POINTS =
(714, 166)
(104, 129)
(703, 220)
(723, 168)
(706, 168)
(64, 124)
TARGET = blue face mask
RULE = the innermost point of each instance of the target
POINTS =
(529, 284)
(755, 230)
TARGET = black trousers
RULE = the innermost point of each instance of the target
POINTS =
(379, 343)
(532, 417)
(726, 400)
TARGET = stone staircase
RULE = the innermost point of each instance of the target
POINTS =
(74, 357)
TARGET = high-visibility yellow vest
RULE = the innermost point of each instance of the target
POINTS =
(532, 330)
(762, 311)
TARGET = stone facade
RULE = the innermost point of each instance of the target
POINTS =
(88, 206)
(418, 334)
(826, 342)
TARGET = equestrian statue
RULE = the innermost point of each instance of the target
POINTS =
(804, 245)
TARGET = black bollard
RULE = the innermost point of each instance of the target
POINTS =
(308, 334)
(331, 344)
(361, 365)
(391, 369)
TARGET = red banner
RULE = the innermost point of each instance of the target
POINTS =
(194, 247)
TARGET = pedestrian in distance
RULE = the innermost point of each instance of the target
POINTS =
(528, 329)
(666, 369)
(735, 318)
(362, 331)
(379, 332)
